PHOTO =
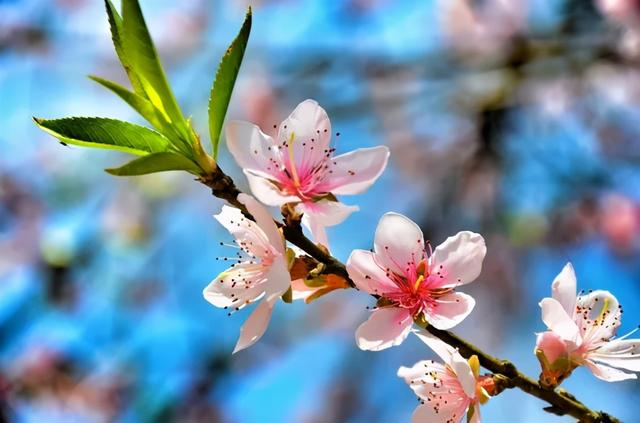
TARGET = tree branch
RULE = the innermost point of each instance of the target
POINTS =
(507, 374)
(561, 401)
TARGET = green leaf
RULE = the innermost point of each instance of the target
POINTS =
(115, 23)
(139, 104)
(157, 162)
(141, 52)
(105, 133)
(224, 82)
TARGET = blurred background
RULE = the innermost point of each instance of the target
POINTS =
(518, 119)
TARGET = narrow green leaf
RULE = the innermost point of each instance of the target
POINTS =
(140, 104)
(105, 133)
(115, 23)
(157, 162)
(146, 64)
(224, 82)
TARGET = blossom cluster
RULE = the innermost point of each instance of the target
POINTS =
(412, 283)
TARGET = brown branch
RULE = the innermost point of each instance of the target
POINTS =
(294, 235)
(561, 402)
(506, 373)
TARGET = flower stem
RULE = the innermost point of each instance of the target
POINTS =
(508, 376)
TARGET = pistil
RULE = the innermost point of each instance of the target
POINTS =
(292, 163)
(418, 282)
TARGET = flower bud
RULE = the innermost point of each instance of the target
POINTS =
(554, 357)
(309, 281)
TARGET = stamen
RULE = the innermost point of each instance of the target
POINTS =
(630, 333)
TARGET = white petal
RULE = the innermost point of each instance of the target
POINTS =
(459, 258)
(598, 316)
(255, 326)
(557, 320)
(327, 213)
(620, 353)
(563, 288)
(608, 374)
(423, 375)
(450, 309)
(452, 412)
(356, 171)
(386, 327)
(425, 414)
(367, 275)
(318, 231)
(398, 243)
(247, 232)
(250, 147)
(247, 282)
(278, 279)
(229, 289)
(464, 374)
(441, 348)
(309, 128)
(321, 214)
(264, 221)
(552, 346)
(266, 191)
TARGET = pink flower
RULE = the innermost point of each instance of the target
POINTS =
(299, 167)
(481, 28)
(620, 223)
(261, 275)
(411, 283)
(581, 332)
(448, 391)
(625, 12)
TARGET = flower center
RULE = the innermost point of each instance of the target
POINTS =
(305, 176)
(418, 289)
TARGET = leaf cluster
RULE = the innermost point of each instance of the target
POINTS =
(170, 143)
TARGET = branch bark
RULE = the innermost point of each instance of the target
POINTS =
(561, 402)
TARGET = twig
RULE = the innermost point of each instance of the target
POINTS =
(561, 402)
(507, 374)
